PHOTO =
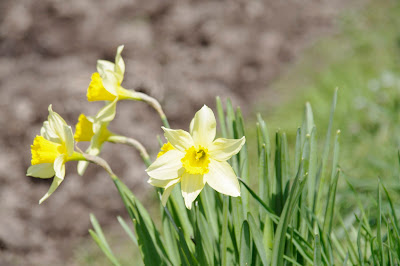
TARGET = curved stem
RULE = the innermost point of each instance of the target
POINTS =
(134, 143)
(155, 104)
(100, 162)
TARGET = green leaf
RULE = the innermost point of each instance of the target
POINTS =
(330, 206)
(257, 236)
(101, 241)
(317, 251)
(221, 115)
(287, 213)
(378, 227)
(127, 230)
(224, 236)
(245, 245)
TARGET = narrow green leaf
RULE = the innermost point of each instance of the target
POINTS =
(330, 206)
(378, 227)
(262, 180)
(104, 248)
(127, 230)
(221, 117)
(101, 241)
(245, 245)
(392, 209)
(312, 168)
(257, 236)
(280, 233)
(278, 174)
(171, 243)
(317, 251)
(224, 236)
(360, 258)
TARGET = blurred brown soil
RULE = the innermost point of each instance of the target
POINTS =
(183, 53)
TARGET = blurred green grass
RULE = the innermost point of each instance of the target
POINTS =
(362, 59)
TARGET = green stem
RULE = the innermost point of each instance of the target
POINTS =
(153, 103)
(134, 143)
(100, 162)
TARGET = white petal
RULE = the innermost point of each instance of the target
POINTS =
(56, 182)
(166, 194)
(59, 166)
(222, 178)
(191, 126)
(163, 183)
(48, 133)
(119, 64)
(106, 114)
(81, 168)
(191, 186)
(167, 166)
(180, 139)
(43, 170)
(57, 123)
(104, 65)
(223, 149)
(110, 82)
(204, 127)
(69, 140)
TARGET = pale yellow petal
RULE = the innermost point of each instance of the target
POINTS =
(57, 123)
(59, 166)
(223, 149)
(81, 167)
(69, 140)
(167, 166)
(163, 183)
(43, 170)
(56, 182)
(222, 178)
(110, 82)
(180, 139)
(106, 114)
(48, 133)
(166, 194)
(119, 64)
(204, 127)
(191, 186)
(104, 65)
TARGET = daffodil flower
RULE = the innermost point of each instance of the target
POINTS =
(51, 150)
(196, 159)
(94, 129)
(106, 82)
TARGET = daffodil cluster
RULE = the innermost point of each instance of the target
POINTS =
(193, 159)
(51, 150)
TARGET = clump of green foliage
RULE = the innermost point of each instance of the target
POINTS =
(291, 219)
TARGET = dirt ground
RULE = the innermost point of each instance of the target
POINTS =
(183, 53)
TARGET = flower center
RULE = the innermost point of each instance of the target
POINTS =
(196, 160)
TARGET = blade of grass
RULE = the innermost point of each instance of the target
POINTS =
(317, 251)
(257, 237)
(245, 245)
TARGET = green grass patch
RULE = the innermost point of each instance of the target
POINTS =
(363, 61)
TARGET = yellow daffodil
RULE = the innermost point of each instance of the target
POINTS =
(94, 129)
(106, 82)
(196, 159)
(51, 150)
